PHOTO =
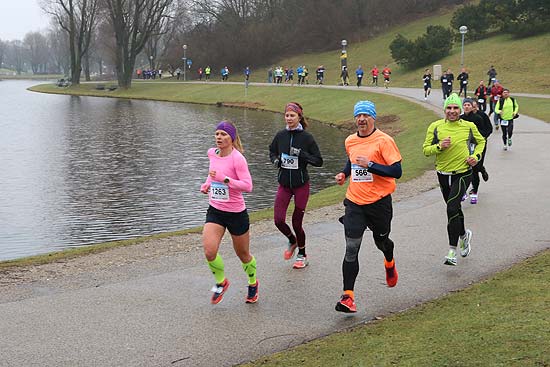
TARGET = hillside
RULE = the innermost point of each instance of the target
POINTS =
(522, 64)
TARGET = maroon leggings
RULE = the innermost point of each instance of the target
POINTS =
(282, 199)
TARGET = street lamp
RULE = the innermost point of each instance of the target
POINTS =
(151, 61)
(184, 61)
(463, 30)
(344, 56)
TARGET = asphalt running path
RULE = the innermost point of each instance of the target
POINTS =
(163, 318)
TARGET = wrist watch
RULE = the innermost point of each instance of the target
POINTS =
(226, 180)
(369, 165)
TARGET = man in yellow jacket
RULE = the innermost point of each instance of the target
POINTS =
(507, 108)
(457, 145)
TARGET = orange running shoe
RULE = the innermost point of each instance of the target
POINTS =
(252, 296)
(391, 273)
(301, 262)
(219, 290)
(289, 252)
(346, 304)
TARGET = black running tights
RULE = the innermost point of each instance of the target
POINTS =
(507, 131)
(453, 187)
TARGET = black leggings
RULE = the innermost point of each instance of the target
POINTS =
(463, 87)
(477, 169)
(377, 216)
(453, 187)
(507, 131)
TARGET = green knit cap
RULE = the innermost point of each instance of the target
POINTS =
(453, 99)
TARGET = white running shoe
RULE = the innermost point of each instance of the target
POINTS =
(464, 243)
(450, 259)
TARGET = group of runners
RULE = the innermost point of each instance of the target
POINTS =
(457, 141)
(503, 108)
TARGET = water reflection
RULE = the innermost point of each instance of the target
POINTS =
(81, 170)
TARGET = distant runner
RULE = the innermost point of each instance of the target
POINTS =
(374, 72)
(427, 79)
(483, 124)
(386, 72)
(507, 108)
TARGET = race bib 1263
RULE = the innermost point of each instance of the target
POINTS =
(219, 191)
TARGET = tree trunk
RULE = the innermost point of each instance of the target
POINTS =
(125, 71)
(87, 67)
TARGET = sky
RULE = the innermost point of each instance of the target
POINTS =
(17, 17)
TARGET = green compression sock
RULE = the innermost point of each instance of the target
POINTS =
(250, 270)
(217, 268)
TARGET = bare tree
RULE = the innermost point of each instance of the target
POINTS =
(165, 38)
(3, 46)
(17, 56)
(58, 43)
(78, 19)
(37, 46)
(133, 22)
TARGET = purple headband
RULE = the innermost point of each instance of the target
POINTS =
(294, 107)
(228, 128)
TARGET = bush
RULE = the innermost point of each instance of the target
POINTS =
(473, 17)
(401, 49)
(432, 46)
(521, 18)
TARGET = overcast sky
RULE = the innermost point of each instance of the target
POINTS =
(17, 17)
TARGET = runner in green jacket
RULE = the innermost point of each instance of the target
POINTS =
(507, 108)
(457, 145)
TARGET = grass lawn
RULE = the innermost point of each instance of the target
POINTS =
(503, 321)
(535, 107)
(30, 76)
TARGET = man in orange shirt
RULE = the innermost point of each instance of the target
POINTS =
(374, 71)
(386, 72)
(374, 162)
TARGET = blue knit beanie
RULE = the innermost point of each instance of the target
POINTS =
(366, 107)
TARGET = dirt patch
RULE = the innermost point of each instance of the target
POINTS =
(387, 123)
(250, 105)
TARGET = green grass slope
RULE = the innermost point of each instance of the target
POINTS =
(522, 64)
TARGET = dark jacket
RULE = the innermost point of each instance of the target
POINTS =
(484, 126)
(309, 154)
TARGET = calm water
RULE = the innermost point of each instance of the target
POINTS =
(81, 170)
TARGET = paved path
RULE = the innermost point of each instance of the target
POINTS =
(164, 318)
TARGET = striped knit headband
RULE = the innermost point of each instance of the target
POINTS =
(292, 106)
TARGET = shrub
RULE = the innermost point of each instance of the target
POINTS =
(435, 44)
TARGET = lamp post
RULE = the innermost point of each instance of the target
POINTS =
(463, 30)
(151, 61)
(344, 56)
(184, 61)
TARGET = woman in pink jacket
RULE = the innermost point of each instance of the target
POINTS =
(228, 177)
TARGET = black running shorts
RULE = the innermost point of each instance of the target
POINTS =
(376, 216)
(236, 223)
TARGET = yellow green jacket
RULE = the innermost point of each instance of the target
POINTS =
(466, 141)
(510, 108)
